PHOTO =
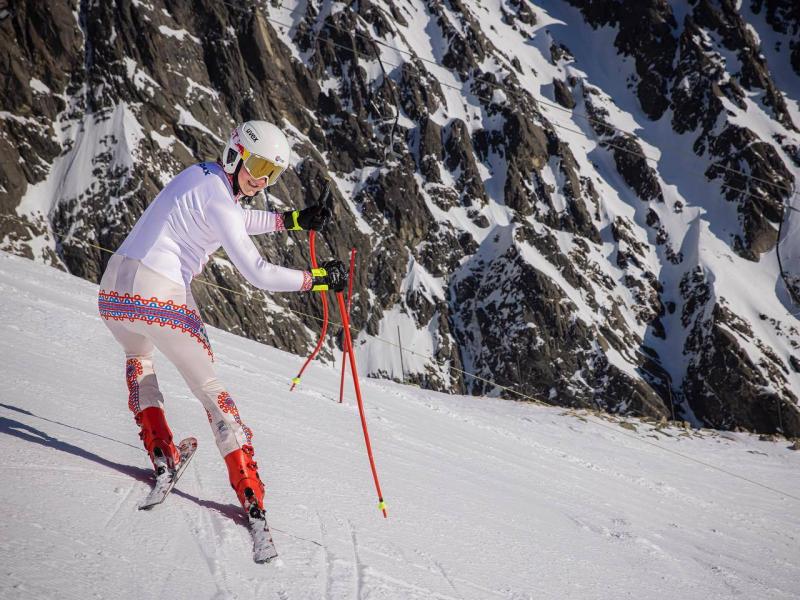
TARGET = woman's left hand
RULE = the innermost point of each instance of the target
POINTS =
(314, 217)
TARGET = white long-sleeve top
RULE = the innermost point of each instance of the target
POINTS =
(192, 217)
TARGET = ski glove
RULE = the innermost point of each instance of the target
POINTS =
(314, 217)
(331, 275)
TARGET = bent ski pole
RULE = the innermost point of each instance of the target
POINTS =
(312, 248)
(348, 348)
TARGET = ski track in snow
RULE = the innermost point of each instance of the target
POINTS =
(487, 498)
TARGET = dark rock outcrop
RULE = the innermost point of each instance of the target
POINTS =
(534, 245)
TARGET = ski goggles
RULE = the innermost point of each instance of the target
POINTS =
(261, 168)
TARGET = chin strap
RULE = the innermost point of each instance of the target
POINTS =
(237, 193)
(233, 180)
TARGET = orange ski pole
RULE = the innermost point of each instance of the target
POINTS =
(296, 380)
(349, 300)
(348, 344)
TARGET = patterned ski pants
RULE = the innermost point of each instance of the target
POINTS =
(145, 310)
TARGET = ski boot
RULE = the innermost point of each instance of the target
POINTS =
(157, 439)
(243, 474)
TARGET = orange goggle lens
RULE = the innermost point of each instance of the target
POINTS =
(260, 167)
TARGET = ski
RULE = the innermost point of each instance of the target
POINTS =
(167, 480)
(263, 546)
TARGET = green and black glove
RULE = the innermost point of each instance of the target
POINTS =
(330, 276)
(314, 217)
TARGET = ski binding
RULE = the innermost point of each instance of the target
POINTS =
(167, 478)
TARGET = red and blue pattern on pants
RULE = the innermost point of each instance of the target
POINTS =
(118, 307)
(228, 406)
(133, 369)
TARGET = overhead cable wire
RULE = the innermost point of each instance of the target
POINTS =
(600, 142)
(595, 420)
(597, 140)
(517, 91)
(698, 461)
(790, 288)
(456, 369)
(514, 91)
(482, 379)
(521, 91)
(316, 318)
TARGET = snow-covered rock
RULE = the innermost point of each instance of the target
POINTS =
(594, 189)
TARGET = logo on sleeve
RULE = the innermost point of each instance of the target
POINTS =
(206, 170)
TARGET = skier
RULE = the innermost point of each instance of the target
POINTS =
(146, 301)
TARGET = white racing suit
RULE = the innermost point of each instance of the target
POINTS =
(145, 310)
(146, 301)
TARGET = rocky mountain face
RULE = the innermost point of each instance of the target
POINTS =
(576, 201)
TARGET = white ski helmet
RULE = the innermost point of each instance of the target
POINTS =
(263, 148)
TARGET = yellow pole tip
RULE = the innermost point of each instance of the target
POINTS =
(381, 505)
(295, 380)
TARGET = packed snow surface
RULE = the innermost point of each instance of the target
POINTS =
(487, 498)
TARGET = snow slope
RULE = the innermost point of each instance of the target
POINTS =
(487, 498)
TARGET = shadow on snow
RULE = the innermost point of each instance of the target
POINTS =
(28, 433)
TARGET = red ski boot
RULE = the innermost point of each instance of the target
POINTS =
(157, 438)
(243, 474)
